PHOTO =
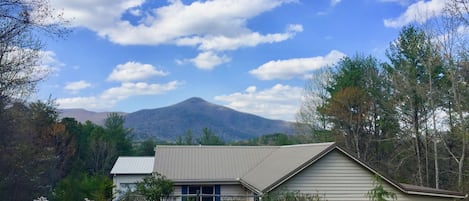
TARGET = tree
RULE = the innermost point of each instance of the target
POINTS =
(409, 75)
(116, 132)
(146, 148)
(187, 139)
(155, 187)
(358, 107)
(452, 44)
(78, 185)
(458, 9)
(209, 138)
(309, 119)
(378, 193)
(37, 153)
(20, 46)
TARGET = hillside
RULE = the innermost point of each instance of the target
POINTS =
(195, 114)
(83, 115)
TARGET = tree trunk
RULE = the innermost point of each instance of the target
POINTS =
(437, 172)
(417, 144)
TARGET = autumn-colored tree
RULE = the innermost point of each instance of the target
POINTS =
(359, 107)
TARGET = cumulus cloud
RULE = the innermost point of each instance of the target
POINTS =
(278, 102)
(140, 88)
(401, 2)
(335, 2)
(110, 97)
(418, 12)
(288, 69)
(250, 39)
(134, 71)
(216, 25)
(208, 60)
(74, 87)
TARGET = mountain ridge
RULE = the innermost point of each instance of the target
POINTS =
(195, 114)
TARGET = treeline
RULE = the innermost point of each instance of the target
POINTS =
(407, 116)
(41, 155)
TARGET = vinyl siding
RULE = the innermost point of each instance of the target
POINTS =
(230, 192)
(336, 177)
(119, 180)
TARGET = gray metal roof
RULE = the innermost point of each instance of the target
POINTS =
(259, 168)
(281, 163)
(208, 163)
(133, 165)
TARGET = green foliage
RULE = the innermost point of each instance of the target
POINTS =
(32, 140)
(114, 125)
(79, 185)
(187, 139)
(378, 193)
(209, 138)
(155, 187)
(293, 196)
(146, 148)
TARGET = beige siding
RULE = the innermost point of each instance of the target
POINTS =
(235, 192)
(177, 192)
(121, 181)
(337, 177)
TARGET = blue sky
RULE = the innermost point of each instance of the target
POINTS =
(250, 55)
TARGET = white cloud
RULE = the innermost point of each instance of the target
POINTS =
(208, 60)
(84, 102)
(95, 15)
(287, 69)
(110, 97)
(49, 64)
(216, 25)
(251, 39)
(134, 71)
(418, 12)
(335, 2)
(401, 2)
(168, 23)
(74, 87)
(140, 88)
(278, 102)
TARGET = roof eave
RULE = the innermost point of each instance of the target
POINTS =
(398, 185)
(299, 169)
(131, 173)
(251, 187)
(204, 181)
(437, 194)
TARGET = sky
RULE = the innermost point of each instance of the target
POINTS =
(253, 56)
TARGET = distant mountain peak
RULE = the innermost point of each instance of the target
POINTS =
(194, 100)
(195, 114)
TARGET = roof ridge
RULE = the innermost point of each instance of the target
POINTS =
(217, 146)
(258, 163)
(308, 144)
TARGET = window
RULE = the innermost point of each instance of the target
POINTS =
(202, 193)
(126, 187)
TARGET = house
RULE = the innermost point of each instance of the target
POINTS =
(127, 171)
(246, 172)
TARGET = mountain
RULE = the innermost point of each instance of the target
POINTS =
(82, 115)
(195, 114)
